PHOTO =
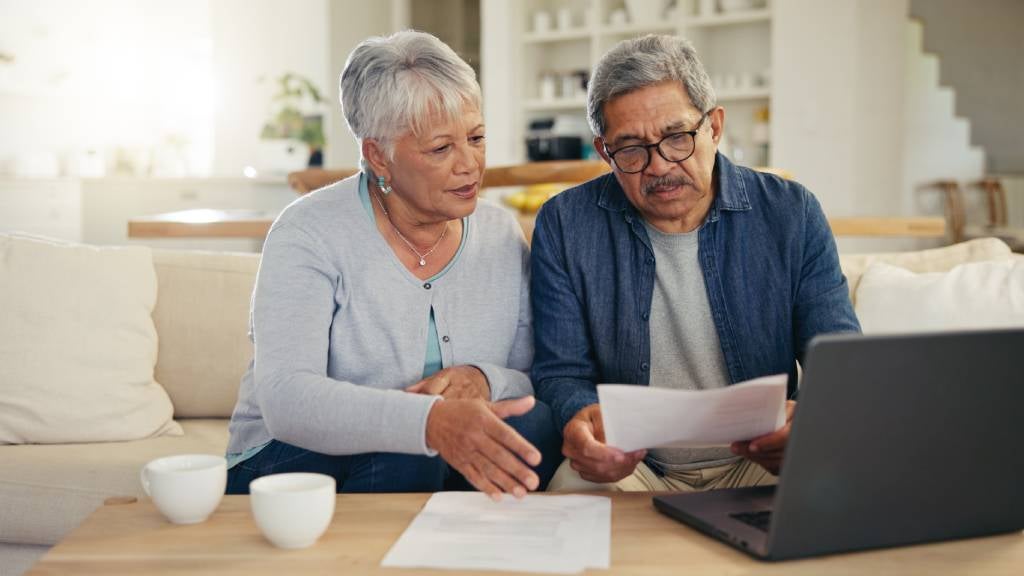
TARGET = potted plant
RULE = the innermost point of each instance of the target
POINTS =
(292, 118)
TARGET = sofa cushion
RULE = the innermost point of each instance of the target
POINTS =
(202, 316)
(77, 344)
(974, 295)
(47, 490)
(932, 260)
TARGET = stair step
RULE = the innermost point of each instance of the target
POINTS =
(915, 36)
(939, 144)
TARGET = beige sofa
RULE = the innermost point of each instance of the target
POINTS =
(201, 319)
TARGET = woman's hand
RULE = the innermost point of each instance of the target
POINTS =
(490, 454)
(455, 383)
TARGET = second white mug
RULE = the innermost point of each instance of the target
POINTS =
(294, 509)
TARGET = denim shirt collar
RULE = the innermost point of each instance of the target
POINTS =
(731, 193)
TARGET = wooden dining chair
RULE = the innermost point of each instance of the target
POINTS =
(998, 221)
(995, 196)
(955, 213)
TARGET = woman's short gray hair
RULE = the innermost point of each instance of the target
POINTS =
(392, 84)
(641, 62)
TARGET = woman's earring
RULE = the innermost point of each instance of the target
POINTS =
(384, 188)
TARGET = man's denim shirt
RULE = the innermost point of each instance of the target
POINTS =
(770, 267)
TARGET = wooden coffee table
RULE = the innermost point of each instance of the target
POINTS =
(134, 539)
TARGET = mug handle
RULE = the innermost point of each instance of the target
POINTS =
(144, 480)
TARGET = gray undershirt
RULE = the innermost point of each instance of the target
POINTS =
(685, 350)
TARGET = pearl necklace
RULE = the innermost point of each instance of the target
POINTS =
(422, 257)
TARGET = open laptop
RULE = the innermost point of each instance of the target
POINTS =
(896, 440)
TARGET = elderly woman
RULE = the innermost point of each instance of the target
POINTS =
(390, 318)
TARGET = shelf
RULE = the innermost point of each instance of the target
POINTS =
(559, 104)
(624, 29)
(579, 33)
(751, 94)
(581, 103)
(729, 18)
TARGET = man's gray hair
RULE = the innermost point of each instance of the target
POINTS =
(391, 85)
(640, 62)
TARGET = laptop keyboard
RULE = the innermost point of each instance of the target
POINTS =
(760, 519)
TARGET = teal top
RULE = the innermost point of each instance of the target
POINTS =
(431, 364)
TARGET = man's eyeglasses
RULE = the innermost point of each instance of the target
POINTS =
(674, 147)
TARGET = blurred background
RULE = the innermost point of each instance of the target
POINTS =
(118, 109)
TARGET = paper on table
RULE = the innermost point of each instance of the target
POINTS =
(638, 417)
(467, 530)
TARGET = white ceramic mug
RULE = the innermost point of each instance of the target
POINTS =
(541, 22)
(564, 18)
(186, 488)
(293, 510)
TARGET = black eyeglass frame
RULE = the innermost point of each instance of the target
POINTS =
(657, 146)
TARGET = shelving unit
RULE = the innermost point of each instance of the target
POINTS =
(761, 93)
(636, 29)
(729, 18)
(572, 104)
(557, 36)
(734, 46)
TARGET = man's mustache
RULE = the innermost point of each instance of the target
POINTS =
(666, 181)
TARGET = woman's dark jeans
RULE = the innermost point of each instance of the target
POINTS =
(388, 472)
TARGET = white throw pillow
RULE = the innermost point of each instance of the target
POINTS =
(930, 260)
(974, 295)
(77, 344)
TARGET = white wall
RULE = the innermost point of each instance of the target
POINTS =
(838, 108)
(254, 42)
(500, 77)
(351, 22)
(838, 104)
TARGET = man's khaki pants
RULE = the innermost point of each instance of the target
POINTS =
(735, 475)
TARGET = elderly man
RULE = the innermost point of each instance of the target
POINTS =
(679, 270)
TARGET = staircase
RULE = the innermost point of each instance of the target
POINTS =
(937, 143)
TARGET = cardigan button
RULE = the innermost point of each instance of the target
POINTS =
(644, 367)
(427, 285)
(445, 338)
(645, 316)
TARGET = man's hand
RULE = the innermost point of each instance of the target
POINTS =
(455, 383)
(471, 437)
(767, 450)
(588, 454)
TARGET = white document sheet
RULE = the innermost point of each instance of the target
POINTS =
(540, 533)
(638, 417)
